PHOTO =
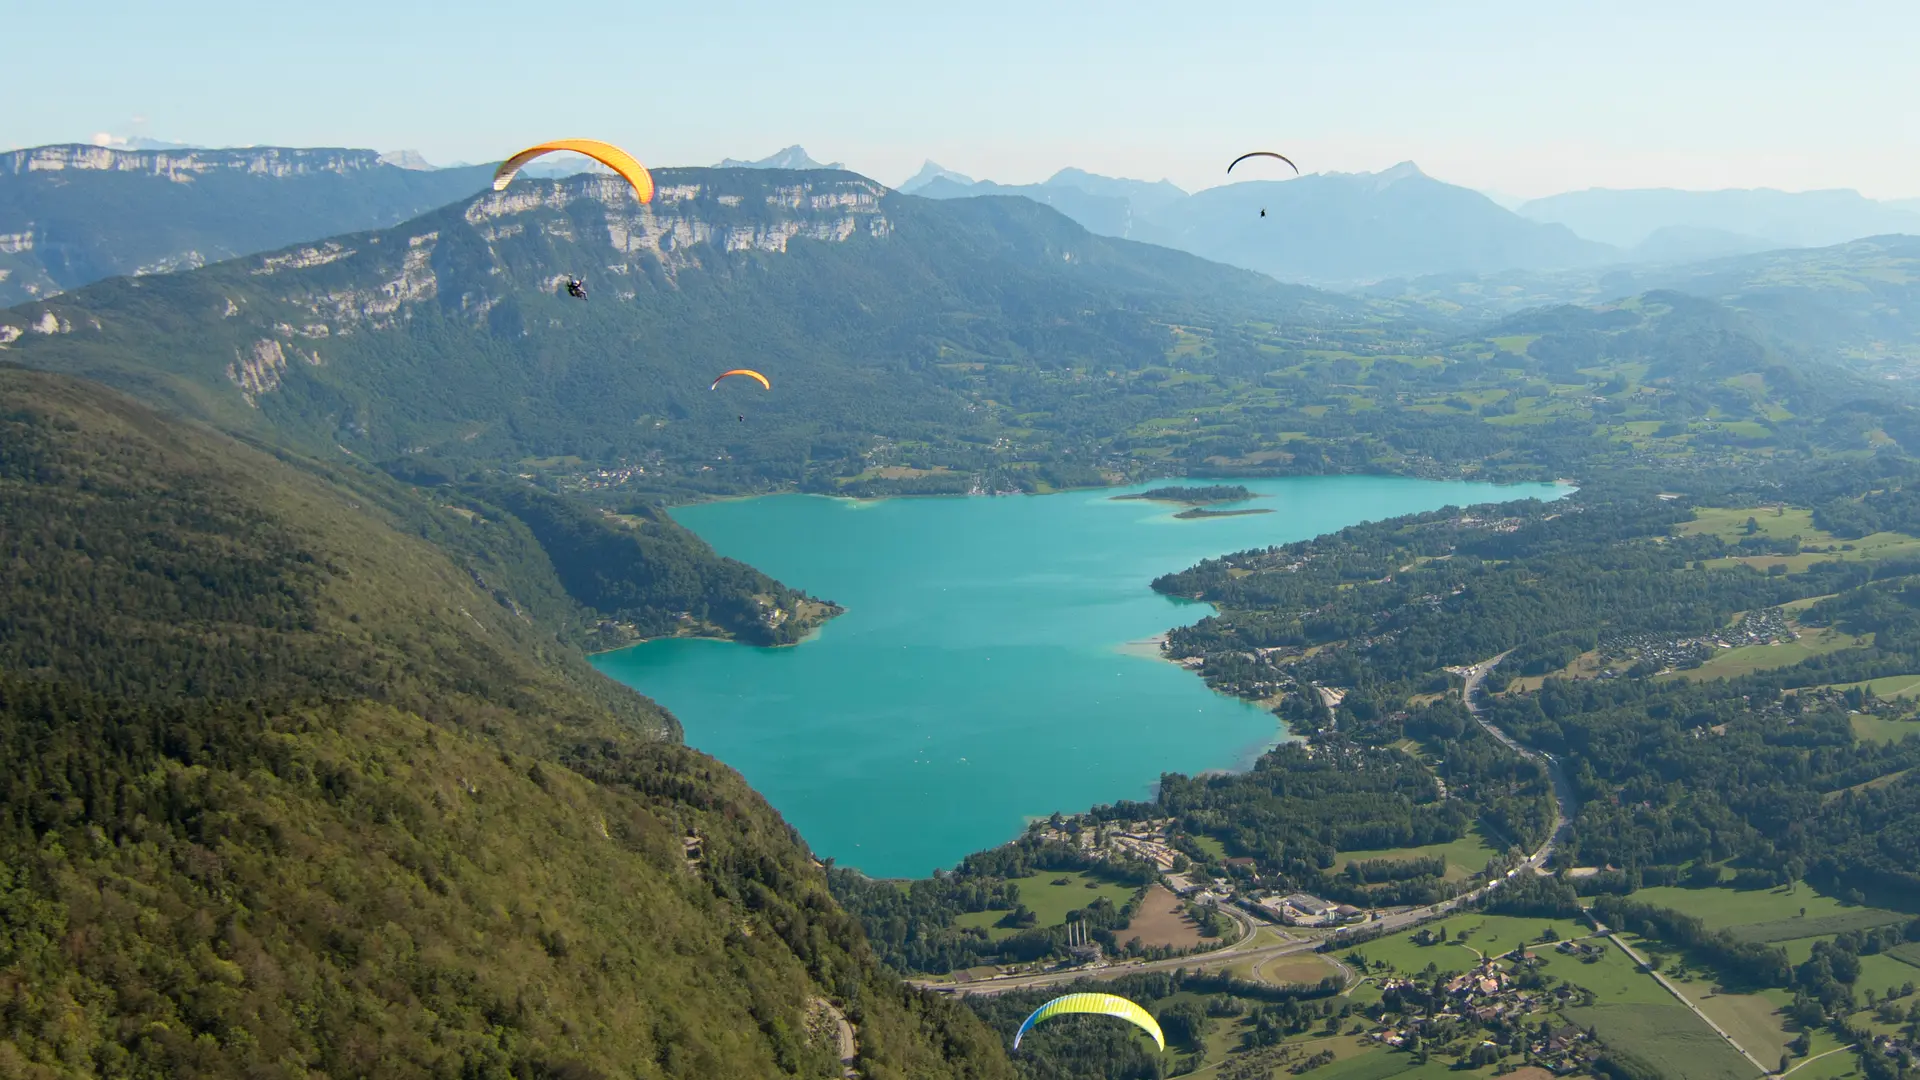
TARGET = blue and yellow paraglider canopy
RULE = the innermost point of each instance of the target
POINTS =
(1098, 1005)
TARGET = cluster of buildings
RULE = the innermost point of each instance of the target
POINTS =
(600, 479)
(1147, 841)
(1755, 628)
(1489, 996)
(1303, 909)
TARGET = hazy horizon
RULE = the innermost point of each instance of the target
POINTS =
(1508, 98)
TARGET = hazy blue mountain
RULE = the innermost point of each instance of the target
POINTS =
(929, 172)
(1350, 228)
(1106, 205)
(1858, 301)
(1148, 197)
(793, 157)
(1108, 215)
(1776, 218)
(1691, 243)
(74, 214)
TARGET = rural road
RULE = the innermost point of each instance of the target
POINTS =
(1563, 804)
(1386, 924)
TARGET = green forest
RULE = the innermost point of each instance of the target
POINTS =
(292, 791)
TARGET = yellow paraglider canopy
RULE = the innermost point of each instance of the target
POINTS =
(741, 371)
(605, 153)
(1098, 1005)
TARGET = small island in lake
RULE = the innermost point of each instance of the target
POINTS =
(1202, 512)
(1198, 496)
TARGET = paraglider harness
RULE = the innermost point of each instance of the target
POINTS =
(576, 288)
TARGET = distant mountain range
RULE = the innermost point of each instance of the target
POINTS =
(1334, 229)
(1347, 230)
(1734, 220)
(793, 157)
(74, 214)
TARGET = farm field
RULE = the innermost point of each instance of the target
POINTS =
(1815, 926)
(1723, 908)
(1756, 1021)
(1161, 919)
(1483, 934)
(1884, 729)
(1465, 856)
(1613, 978)
(1747, 659)
(1888, 686)
(1730, 524)
(1050, 902)
(1667, 1034)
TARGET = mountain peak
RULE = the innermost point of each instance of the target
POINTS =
(793, 157)
(929, 172)
(1406, 170)
(407, 159)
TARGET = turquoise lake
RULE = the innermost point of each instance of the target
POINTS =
(981, 676)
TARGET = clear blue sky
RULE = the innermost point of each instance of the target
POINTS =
(1527, 98)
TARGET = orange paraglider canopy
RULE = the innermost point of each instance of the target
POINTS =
(606, 154)
(741, 371)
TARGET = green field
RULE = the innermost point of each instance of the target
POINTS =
(1050, 902)
(1889, 686)
(1884, 729)
(1747, 659)
(1613, 978)
(1731, 524)
(1881, 973)
(1908, 953)
(1756, 1021)
(1815, 926)
(1677, 1041)
(1723, 908)
(1489, 934)
(1465, 857)
(1211, 846)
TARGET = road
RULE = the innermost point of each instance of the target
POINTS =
(1386, 924)
(1563, 804)
(1641, 961)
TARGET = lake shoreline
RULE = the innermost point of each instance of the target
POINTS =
(980, 674)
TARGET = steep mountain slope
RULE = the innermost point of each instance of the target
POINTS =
(880, 318)
(1340, 229)
(1772, 218)
(71, 215)
(291, 792)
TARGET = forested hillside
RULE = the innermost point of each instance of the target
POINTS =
(305, 777)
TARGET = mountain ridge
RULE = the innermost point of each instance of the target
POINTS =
(828, 280)
(74, 214)
(1626, 217)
